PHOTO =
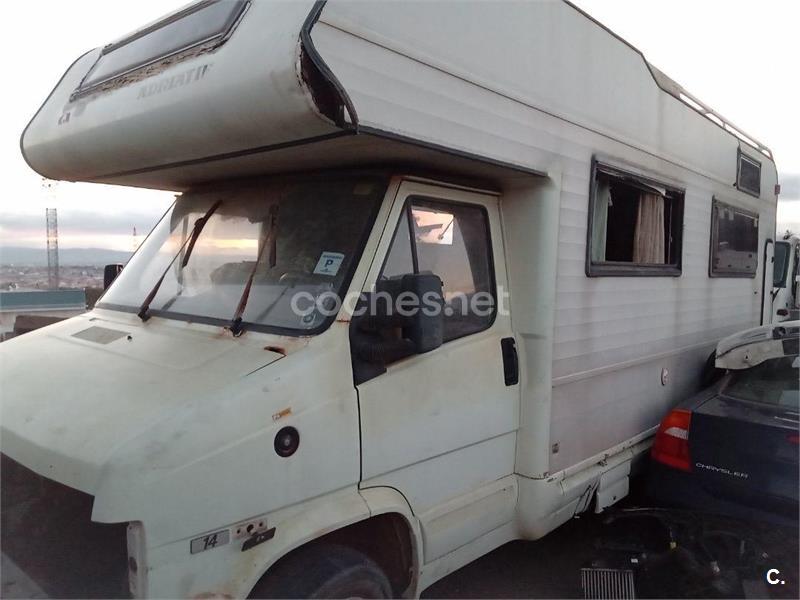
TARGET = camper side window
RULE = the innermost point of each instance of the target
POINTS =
(452, 241)
(734, 241)
(635, 226)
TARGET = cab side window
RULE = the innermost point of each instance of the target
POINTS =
(452, 241)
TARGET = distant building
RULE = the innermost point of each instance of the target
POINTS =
(44, 303)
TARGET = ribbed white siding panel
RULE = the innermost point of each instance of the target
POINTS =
(602, 321)
(615, 335)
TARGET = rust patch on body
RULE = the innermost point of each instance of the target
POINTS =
(284, 413)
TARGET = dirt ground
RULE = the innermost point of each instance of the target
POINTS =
(551, 567)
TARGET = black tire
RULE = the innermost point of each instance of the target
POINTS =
(324, 571)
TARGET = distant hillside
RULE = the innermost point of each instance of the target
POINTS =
(37, 257)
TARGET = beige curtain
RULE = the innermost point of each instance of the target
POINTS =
(602, 200)
(648, 238)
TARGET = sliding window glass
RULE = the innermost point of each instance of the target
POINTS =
(635, 226)
(734, 241)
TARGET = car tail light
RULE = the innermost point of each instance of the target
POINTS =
(671, 446)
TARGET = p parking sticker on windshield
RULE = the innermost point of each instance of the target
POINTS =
(329, 263)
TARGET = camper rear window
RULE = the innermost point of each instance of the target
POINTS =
(748, 175)
(635, 226)
(734, 241)
(203, 25)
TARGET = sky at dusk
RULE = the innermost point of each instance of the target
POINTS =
(739, 57)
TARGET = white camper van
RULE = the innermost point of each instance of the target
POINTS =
(228, 421)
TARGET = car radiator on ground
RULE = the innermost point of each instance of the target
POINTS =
(610, 584)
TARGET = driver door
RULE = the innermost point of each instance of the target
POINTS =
(440, 427)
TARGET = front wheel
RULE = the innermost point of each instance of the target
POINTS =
(324, 571)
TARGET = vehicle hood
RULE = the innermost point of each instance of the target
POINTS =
(74, 392)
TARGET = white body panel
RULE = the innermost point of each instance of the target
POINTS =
(484, 83)
(614, 335)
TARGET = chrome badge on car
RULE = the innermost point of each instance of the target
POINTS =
(722, 470)
(209, 541)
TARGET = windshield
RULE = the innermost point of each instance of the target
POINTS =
(774, 381)
(282, 238)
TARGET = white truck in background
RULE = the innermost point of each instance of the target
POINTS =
(228, 421)
(786, 279)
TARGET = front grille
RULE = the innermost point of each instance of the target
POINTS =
(607, 584)
(47, 531)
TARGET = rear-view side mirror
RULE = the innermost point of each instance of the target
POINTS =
(418, 301)
(110, 273)
(403, 316)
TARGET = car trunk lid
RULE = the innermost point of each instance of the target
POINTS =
(746, 451)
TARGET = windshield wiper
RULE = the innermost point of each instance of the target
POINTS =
(271, 241)
(191, 241)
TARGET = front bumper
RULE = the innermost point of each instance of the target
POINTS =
(48, 535)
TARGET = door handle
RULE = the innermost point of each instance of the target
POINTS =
(510, 360)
